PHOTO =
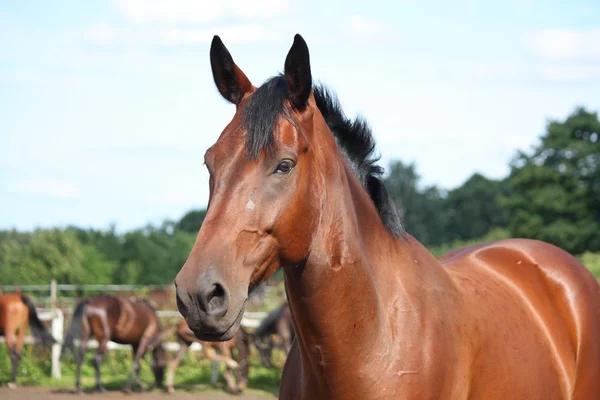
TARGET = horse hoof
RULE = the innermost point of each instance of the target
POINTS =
(12, 385)
(127, 390)
(101, 389)
(171, 390)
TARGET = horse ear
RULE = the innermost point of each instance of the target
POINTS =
(229, 78)
(297, 73)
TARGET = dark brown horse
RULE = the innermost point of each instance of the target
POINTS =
(122, 321)
(237, 366)
(277, 324)
(16, 313)
(294, 184)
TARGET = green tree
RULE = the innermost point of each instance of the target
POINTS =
(474, 208)
(421, 209)
(44, 255)
(555, 190)
(191, 221)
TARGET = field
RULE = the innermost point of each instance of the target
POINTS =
(30, 393)
(192, 378)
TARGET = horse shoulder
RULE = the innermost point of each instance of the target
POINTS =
(559, 293)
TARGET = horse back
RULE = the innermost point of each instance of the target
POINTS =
(127, 321)
(13, 313)
(539, 295)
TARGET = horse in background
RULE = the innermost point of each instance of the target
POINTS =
(123, 321)
(278, 322)
(17, 311)
(237, 364)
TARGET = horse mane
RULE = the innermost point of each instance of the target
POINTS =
(354, 138)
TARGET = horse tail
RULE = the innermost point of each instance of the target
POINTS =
(38, 329)
(76, 328)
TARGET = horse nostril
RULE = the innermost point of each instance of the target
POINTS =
(216, 297)
(214, 300)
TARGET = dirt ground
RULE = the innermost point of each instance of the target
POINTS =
(29, 393)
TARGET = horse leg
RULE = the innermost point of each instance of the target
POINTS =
(211, 354)
(79, 356)
(230, 381)
(230, 364)
(97, 362)
(241, 374)
(173, 364)
(15, 357)
(138, 352)
(228, 374)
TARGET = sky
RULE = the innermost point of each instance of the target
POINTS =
(107, 106)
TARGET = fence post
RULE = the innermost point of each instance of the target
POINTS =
(57, 332)
(53, 288)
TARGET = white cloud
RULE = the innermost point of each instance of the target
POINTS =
(367, 29)
(49, 188)
(566, 45)
(198, 11)
(569, 73)
(101, 34)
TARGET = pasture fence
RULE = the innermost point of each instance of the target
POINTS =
(56, 317)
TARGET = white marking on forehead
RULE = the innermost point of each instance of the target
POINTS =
(250, 204)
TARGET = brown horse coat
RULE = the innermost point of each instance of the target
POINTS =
(294, 184)
(119, 320)
(17, 312)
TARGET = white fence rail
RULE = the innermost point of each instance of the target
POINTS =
(56, 316)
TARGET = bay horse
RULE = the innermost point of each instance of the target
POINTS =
(17, 311)
(277, 323)
(295, 184)
(237, 364)
(123, 321)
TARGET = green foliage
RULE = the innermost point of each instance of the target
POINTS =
(145, 256)
(491, 236)
(193, 372)
(35, 365)
(435, 216)
(555, 191)
(592, 262)
(422, 210)
(191, 221)
(154, 256)
(474, 208)
(44, 255)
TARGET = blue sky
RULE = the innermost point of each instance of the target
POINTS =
(107, 107)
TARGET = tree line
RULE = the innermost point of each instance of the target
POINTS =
(552, 193)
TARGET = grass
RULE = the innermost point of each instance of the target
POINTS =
(193, 374)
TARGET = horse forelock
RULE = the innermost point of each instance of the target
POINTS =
(354, 138)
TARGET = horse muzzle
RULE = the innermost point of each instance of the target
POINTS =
(207, 307)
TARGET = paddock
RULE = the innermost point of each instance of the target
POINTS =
(199, 393)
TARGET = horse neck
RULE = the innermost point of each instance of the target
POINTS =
(355, 279)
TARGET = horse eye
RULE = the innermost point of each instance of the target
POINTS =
(284, 167)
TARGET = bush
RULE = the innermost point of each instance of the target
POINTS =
(592, 262)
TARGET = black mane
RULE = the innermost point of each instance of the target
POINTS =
(353, 137)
